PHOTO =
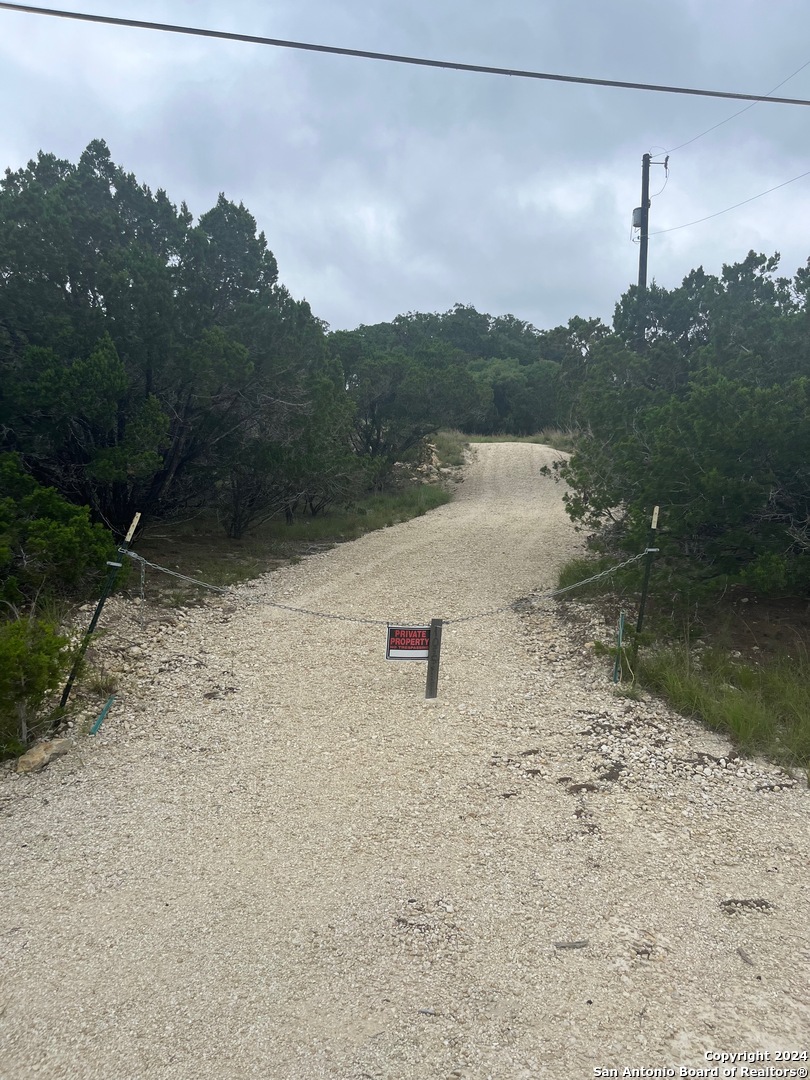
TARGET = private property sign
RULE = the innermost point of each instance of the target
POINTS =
(418, 643)
(407, 643)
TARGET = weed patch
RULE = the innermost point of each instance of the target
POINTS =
(764, 709)
(450, 448)
(556, 438)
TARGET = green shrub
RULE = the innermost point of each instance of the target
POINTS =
(33, 660)
(48, 546)
(49, 552)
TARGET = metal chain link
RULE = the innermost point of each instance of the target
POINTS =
(554, 592)
(226, 591)
(173, 573)
(597, 577)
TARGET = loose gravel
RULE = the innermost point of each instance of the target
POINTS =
(278, 860)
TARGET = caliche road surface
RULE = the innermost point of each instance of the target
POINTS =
(278, 860)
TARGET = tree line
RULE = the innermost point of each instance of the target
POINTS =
(697, 400)
(156, 364)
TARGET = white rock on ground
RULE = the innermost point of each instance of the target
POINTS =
(277, 860)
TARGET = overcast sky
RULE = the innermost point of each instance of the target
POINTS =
(384, 189)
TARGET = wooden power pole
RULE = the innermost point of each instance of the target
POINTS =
(644, 223)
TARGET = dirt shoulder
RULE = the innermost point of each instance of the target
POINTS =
(277, 860)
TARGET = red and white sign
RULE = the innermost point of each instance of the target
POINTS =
(407, 643)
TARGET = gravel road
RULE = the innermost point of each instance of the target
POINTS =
(278, 860)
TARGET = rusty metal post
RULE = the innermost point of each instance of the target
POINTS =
(434, 654)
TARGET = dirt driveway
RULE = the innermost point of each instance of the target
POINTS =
(277, 860)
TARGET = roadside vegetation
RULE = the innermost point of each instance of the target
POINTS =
(553, 437)
(697, 401)
(450, 447)
(740, 664)
(764, 706)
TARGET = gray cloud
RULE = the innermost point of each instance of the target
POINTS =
(385, 189)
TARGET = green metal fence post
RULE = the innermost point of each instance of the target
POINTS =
(617, 667)
(105, 592)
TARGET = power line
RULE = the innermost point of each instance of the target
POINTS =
(734, 207)
(714, 127)
(224, 35)
(739, 112)
(391, 57)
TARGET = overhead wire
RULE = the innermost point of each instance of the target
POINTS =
(666, 181)
(714, 127)
(739, 112)
(223, 35)
(753, 198)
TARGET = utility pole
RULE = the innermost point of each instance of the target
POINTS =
(641, 221)
(644, 223)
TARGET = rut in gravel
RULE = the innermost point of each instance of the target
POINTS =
(277, 860)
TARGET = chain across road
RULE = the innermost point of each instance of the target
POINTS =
(229, 592)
